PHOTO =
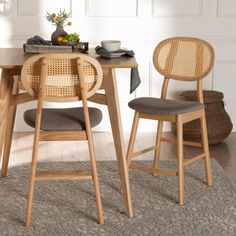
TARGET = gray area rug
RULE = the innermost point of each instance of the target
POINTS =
(69, 208)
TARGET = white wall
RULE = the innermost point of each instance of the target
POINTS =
(140, 25)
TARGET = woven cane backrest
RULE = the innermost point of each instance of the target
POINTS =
(62, 82)
(183, 58)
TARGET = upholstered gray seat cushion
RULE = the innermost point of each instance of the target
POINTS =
(163, 106)
(63, 119)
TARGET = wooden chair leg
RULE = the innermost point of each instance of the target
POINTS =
(32, 178)
(34, 155)
(95, 174)
(9, 131)
(95, 177)
(158, 147)
(90, 143)
(132, 138)
(206, 149)
(180, 159)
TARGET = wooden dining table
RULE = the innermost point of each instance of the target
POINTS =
(11, 62)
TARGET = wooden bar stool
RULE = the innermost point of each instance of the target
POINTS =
(62, 78)
(185, 59)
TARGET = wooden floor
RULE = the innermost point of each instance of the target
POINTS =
(224, 152)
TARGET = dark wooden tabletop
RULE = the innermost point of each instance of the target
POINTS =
(15, 57)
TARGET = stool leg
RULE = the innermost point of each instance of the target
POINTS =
(32, 178)
(93, 163)
(158, 147)
(95, 176)
(206, 148)
(180, 159)
(34, 160)
(132, 138)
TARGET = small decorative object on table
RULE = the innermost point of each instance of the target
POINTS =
(60, 36)
(219, 124)
(68, 40)
(37, 44)
(81, 47)
(111, 45)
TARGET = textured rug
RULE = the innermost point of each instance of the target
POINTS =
(68, 207)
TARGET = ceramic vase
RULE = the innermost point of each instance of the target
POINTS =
(58, 32)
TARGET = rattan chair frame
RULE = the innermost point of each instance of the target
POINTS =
(30, 75)
(82, 91)
(179, 119)
(173, 43)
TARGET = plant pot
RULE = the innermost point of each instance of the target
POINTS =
(58, 32)
(218, 122)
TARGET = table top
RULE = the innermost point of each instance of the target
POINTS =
(15, 57)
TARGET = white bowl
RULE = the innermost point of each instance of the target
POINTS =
(111, 45)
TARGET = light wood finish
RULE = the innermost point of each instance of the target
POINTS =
(84, 71)
(132, 138)
(159, 130)
(20, 85)
(192, 116)
(84, 94)
(170, 118)
(9, 131)
(64, 172)
(173, 140)
(158, 147)
(14, 58)
(144, 151)
(223, 152)
(193, 159)
(99, 98)
(204, 136)
(186, 59)
(6, 84)
(206, 149)
(21, 98)
(63, 136)
(168, 172)
(67, 88)
(11, 62)
(180, 159)
(36, 142)
(114, 114)
(153, 170)
(63, 177)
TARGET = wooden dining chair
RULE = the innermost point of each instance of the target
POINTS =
(184, 59)
(62, 78)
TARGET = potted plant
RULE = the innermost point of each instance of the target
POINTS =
(60, 20)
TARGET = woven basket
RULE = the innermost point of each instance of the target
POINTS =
(219, 124)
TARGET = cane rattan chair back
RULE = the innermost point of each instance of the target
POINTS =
(62, 82)
(60, 78)
(183, 58)
(179, 58)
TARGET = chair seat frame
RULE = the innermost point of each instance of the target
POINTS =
(180, 120)
(41, 135)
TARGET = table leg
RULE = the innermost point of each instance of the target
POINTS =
(9, 131)
(6, 84)
(117, 132)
